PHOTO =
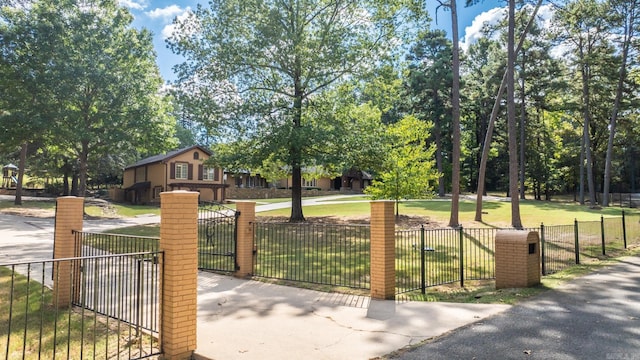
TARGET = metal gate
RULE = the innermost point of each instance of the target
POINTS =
(217, 237)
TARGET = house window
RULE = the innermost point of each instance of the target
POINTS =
(208, 173)
(309, 183)
(182, 171)
(156, 192)
(196, 155)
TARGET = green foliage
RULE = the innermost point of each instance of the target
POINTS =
(409, 166)
(92, 77)
(260, 73)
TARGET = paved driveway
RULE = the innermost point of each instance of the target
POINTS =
(593, 317)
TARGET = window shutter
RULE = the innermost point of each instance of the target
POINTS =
(172, 170)
(200, 171)
(216, 175)
(190, 176)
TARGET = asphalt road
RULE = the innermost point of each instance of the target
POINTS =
(593, 317)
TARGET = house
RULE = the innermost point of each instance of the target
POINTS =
(352, 180)
(181, 169)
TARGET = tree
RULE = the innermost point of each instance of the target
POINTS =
(516, 222)
(99, 86)
(408, 165)
(494, 113)
(428, 89)
(24, 111)
(276, 57)
(629, 12)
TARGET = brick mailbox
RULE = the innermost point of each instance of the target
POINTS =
(517, 259)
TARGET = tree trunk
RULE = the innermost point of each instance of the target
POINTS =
(523, 124)
(582, 151)
(455, 120)
(494, 114)
(21, 167)
(511, 121)
(628, 35)
(586, 131)
(439, 165)
(296, 155)
(83, 169)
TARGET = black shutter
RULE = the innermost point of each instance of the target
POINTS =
(172, 170)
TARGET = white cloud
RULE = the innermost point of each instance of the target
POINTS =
(167, 31)
(475, 31)
(493, 16)
(133, 4)
(167, 14)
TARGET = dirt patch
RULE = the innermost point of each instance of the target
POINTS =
(402, 222)
(30, 212)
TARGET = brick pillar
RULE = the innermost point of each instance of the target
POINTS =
(245, 240)
(383, 251)
(517, 257)
(179, 241)
(69, 216)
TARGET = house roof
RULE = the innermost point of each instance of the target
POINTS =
(168, 155)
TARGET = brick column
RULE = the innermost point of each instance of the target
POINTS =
(517, 257)
(179, 241)
(245, 238)
(383, 251)
(69, 216)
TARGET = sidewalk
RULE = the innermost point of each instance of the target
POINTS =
(242, 319)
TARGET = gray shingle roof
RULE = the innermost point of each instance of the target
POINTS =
(167, 156)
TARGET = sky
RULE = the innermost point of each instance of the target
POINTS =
(157, 16)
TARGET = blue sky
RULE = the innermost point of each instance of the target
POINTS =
(157, 15)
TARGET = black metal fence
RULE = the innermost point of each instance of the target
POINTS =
(217, 237)
(114, 311)
(336, 255)
(431, 257)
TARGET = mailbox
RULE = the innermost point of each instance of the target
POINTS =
(517, 257)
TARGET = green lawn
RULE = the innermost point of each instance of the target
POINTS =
(497, 213)
(37, 330)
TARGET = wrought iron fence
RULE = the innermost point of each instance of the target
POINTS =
(112, 313)
(217, 237)
(557, 248)
(92, 244)
(336, 255)
(431, 257)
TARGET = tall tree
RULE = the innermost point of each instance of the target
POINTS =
(100, 85)
(494, 113)
(452, 6)
(428, 90)
(628, 12)
(276, 57)
(584, 27)
(516, 222)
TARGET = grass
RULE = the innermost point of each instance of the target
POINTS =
(37, 330)
(497, 213)
(484, 292)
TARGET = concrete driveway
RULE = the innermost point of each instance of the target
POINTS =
(593, 317)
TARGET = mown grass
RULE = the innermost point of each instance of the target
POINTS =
(35, 329)
(484, 292)
(496, 213)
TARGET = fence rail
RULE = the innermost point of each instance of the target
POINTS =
(336, 255)
(113, 312)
